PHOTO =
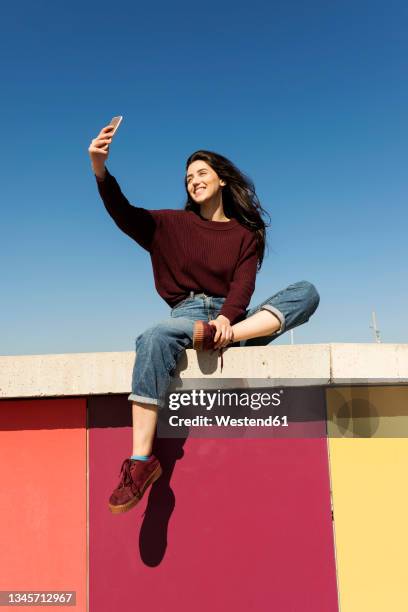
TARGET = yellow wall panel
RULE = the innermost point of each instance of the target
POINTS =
(369, 471)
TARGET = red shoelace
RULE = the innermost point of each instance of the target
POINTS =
(220, 352)
(126, 476)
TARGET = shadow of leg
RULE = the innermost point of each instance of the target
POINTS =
(161, 503)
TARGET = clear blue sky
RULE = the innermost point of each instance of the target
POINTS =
(308, 98)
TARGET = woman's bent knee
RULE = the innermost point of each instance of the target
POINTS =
(314, 296)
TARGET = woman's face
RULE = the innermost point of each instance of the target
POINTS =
(203, 182)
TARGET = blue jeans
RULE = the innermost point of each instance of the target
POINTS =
(160, 346)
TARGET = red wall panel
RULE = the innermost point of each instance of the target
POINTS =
(43, 498)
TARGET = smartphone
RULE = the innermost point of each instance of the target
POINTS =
(115, 121)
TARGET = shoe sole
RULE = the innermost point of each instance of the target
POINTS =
(198, 335)
(133, 502)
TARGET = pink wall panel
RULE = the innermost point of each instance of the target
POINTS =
(242, 524)
(43, 497)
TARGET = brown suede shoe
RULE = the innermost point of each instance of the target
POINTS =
(203, 338)
(136, 477)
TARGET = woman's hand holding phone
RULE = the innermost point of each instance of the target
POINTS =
(99, 148)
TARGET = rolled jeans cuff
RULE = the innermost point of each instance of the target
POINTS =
(143, 400)
(278, 314)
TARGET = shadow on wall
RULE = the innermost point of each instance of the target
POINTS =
(367, 411)
(107, 412)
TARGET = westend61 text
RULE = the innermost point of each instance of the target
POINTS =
(227, 421)
(207, 399)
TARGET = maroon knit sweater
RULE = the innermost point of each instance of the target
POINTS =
(188, 252)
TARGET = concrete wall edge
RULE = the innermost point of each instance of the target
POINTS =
(82, 374)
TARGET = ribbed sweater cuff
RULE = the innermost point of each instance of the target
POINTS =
(107, 174)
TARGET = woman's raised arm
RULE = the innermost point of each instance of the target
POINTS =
(138, 223)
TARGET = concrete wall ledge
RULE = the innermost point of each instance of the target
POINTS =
(76, 374)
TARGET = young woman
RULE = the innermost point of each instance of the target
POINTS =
(205, 258)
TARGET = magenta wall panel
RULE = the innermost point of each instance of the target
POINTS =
(240, 524)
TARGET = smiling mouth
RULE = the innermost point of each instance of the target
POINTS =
(199, 190)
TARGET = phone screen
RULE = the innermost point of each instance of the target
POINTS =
(116, 121)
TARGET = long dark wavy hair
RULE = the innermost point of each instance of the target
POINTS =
(238, 196)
